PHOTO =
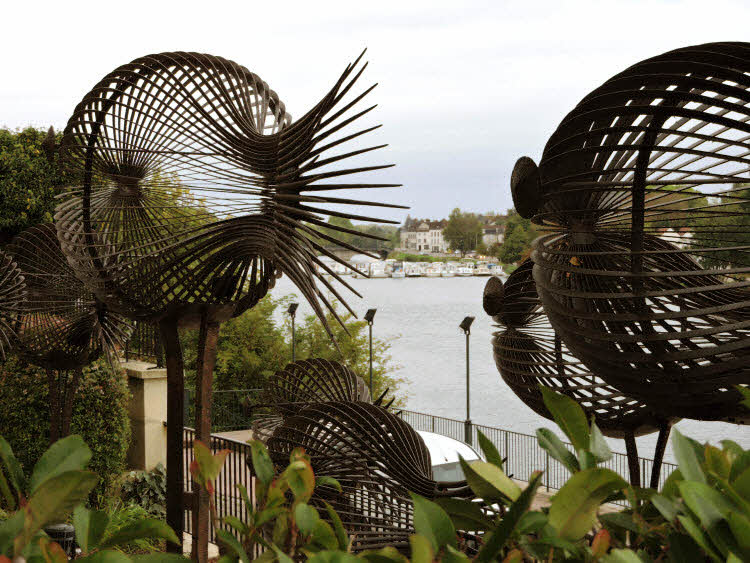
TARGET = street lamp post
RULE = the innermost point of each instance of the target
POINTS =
(466, 327)
(292, 310)
(369, 316)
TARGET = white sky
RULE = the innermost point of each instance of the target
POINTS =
(465, 88)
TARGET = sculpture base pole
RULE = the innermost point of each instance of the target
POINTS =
(661, 446)
(207, 342)
(175, 427)
(632, 450)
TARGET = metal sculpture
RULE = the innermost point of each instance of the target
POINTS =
(198, 191)
(529, 353)
(12, 296)
(61, 326)
(375, 456)
(644, 272)
(301, 383)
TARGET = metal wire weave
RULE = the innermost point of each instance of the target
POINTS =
(644, 189)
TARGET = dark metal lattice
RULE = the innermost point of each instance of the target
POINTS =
(376, 457)
(12, 296)
(645, 273)
(529, 353)
(303, 382)
(194, 183)
(61, 326)
(198, 191)
(325, 408)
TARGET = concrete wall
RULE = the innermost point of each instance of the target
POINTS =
(148, 411)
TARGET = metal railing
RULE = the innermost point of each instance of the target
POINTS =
(230, 409)
(145, 345)
(227, 496)
(523, 452)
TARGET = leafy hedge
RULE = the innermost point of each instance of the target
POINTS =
(100, 416)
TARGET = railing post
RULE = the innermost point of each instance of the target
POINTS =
(432, 420)
(467, 432)
(546, 469)
(507, 455)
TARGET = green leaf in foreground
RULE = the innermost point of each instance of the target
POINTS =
(432, 522)
(498, 538)
(574, 508)
(569, 416)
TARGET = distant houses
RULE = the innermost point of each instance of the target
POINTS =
(423, 236)
(426, 235)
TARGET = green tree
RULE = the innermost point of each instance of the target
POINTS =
(519, 234)
(463, 231)
(255, 345)
(29, 181)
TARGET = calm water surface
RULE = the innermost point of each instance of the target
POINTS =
(421, 316)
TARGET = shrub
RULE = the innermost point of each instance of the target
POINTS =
(148, 490)
(254, 346)
(100, 416)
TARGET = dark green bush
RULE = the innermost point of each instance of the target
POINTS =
(147, 489)
(100, 416)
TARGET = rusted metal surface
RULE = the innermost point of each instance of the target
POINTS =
(325, 408)
(303, 382)
(198, 191)
(376, 457)
(61, 326)
(12, 296)
(643, 272)
(529, 353)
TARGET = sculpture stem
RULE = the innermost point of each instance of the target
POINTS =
(207, 342)
(175, 427)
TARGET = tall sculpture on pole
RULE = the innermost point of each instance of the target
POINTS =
(198, 191)
(644, 271)
(61, 326)
(529, 354)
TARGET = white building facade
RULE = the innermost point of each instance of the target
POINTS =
(424, 236)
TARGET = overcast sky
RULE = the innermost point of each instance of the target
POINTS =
(465, 88)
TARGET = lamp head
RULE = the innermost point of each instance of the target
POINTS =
(370, 315)
(466, 324)
(292, 310)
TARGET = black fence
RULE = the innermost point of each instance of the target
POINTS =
(230, 409)
(145, 345)
(235, 472)
(523, 452)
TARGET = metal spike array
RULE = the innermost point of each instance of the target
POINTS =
(12, 295)
(377, 458)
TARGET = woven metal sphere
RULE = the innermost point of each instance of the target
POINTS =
(529, 353)
(644, 273)
(60, 325)
(303, 382)
(12, 296)
(198, 190)
(376, 457)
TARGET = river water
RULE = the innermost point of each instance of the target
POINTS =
(420, 317)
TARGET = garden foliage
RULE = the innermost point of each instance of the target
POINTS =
(100, 416)
(701, 514)
(55, 491)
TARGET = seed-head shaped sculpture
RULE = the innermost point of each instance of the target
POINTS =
(12, 296)
(375, 456)
(529, 353)
(198, 190)
(304, 382)
(61, 325)
(644, 275)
